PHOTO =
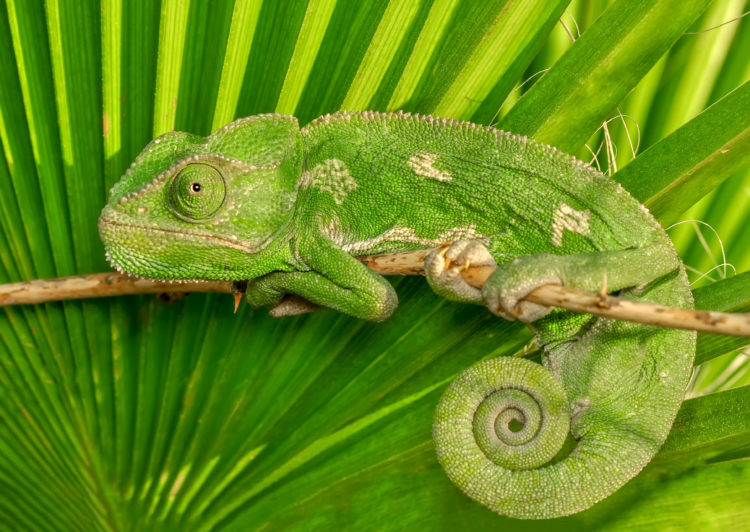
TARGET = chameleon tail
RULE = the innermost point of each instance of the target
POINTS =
(500, 433)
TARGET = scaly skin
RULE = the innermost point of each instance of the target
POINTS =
(288, 209)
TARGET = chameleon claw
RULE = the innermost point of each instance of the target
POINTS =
(238, 290)
(442, 252)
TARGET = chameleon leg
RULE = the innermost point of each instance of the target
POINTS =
(613, 388)
(615, 270)
(335, 280)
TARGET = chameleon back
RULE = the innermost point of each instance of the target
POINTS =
(424, 180)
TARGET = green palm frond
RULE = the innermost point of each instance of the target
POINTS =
(130, 414)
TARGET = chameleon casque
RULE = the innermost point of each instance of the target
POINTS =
(288, 209)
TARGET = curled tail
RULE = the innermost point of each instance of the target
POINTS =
(536, 442)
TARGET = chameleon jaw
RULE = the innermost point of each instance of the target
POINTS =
(156, 253)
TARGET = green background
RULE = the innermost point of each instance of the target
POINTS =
(129, 414)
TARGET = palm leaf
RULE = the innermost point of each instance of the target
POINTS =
(129, 414)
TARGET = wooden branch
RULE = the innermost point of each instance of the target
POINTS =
(98, 285)
(115, 284)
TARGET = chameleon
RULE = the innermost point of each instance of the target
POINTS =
(288, 209)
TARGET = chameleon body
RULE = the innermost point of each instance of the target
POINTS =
(289, 208)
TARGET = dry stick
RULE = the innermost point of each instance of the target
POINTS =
(412, 263)
(97, 285)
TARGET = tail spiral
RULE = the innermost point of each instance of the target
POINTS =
(499, 416)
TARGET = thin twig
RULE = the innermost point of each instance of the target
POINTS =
(98, 285)
(412, 263)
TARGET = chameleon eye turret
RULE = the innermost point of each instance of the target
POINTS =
(197, 192)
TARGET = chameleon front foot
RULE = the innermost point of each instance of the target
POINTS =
(443, 269)
(292, 305)
(262, 293)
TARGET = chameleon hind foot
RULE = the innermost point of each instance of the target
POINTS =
(443, 269)
(506, 288)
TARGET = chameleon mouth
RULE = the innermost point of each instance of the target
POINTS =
(107, 223)
(123, 255)
(163, 254)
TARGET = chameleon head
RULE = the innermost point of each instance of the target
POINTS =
(204, 208)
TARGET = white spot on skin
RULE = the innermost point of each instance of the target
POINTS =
(423, 164)
(566, 217)
(399, 234)
(395, 234)
(331, 176)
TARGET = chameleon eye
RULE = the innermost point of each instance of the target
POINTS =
(197, 192)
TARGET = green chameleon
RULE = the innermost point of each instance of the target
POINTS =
(288, 209)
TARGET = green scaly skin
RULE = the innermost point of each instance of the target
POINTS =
(288, 209)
